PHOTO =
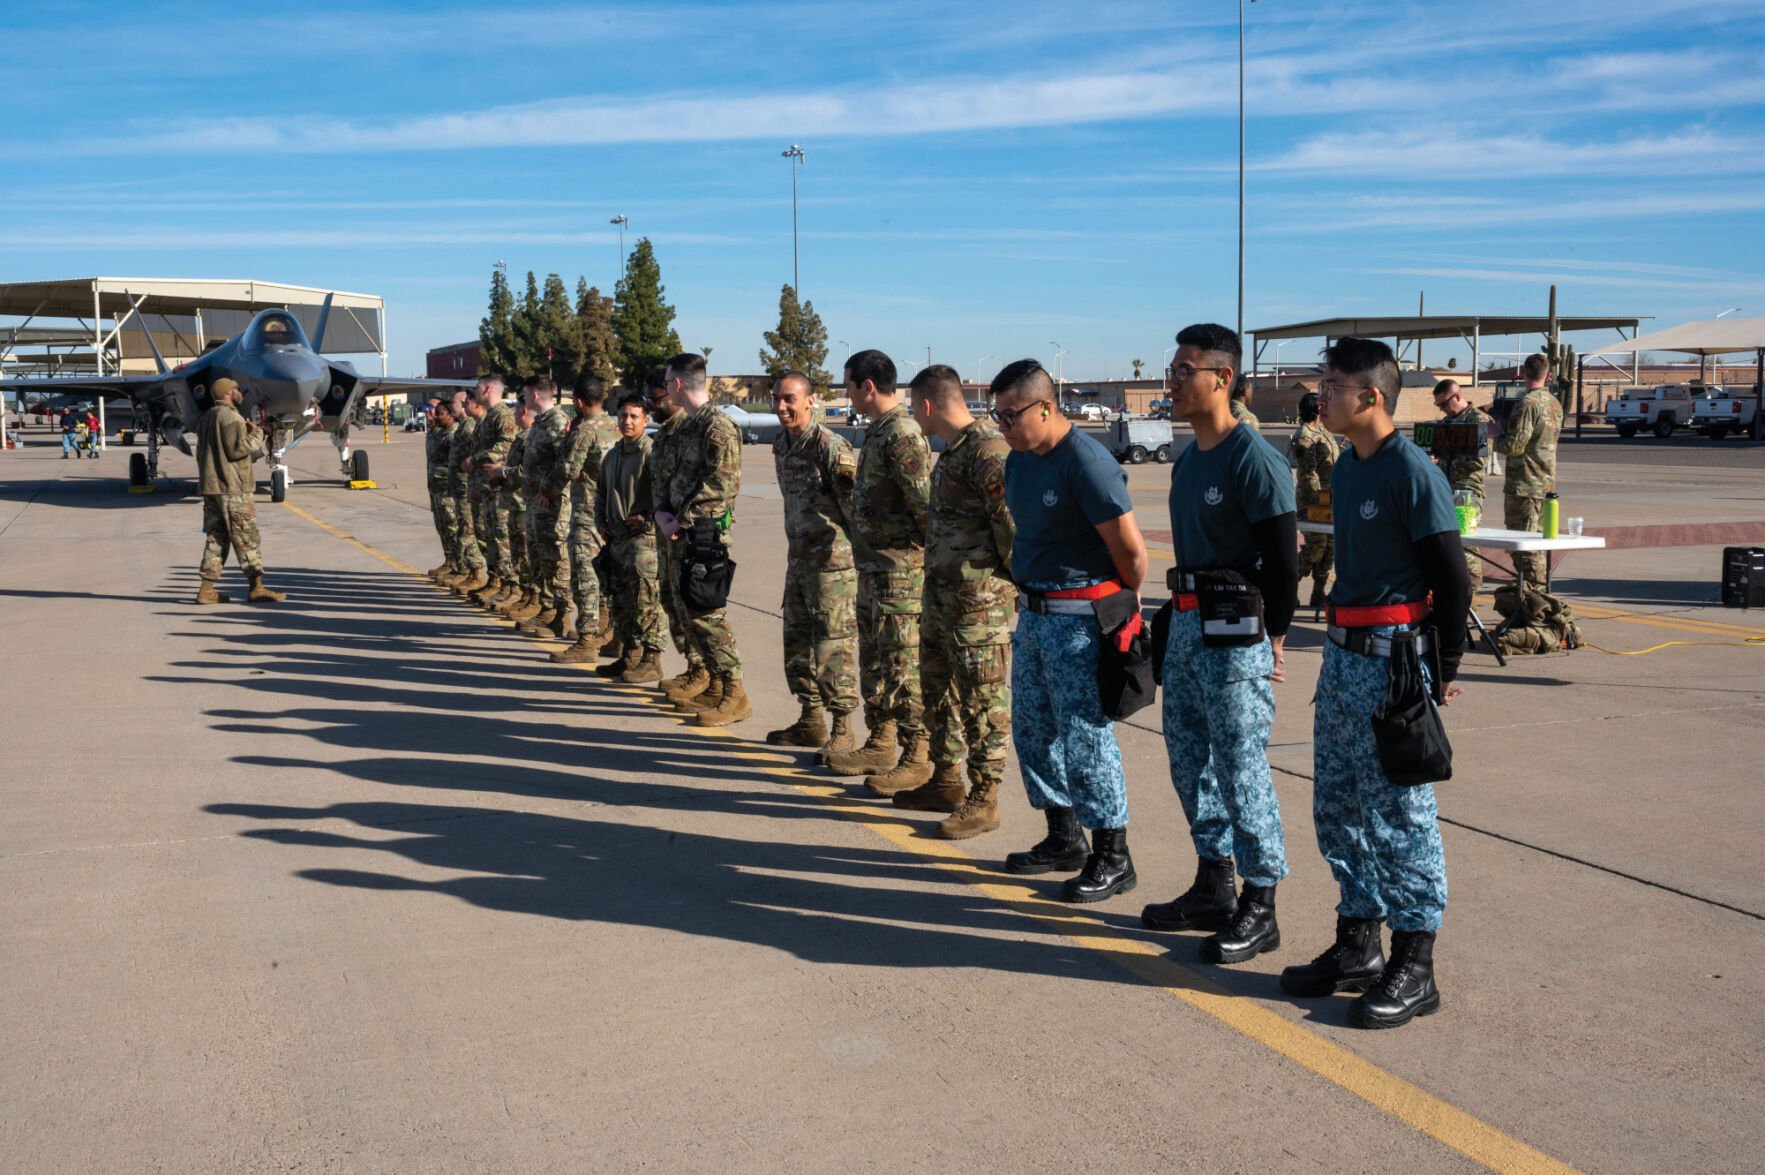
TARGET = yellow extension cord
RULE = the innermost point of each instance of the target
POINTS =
(1751, 642)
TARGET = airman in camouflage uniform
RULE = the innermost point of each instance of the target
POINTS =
(889, 507)
(496, 432)
(591, 435)
(816, 472)
(226, 444)
(1529, 442)
(1313, 453)
(548, 498)
(1464, 470)
(625, 499)
(664, 460)
(511, 506)
(1240, 405)
(965, 620)
(700, 493)
(437, 444)
(463, 442)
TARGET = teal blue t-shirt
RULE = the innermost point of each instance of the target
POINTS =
(1217, 495)
(1058, 501)
(1382, 506)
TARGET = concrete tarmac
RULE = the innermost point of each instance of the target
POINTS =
(361, 882)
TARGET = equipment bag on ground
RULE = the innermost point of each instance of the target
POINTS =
(1539, 622)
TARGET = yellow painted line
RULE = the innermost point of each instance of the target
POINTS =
(1408, 1103)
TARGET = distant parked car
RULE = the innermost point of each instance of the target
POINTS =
(1089, 410)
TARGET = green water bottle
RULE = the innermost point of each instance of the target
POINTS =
(1550, 516)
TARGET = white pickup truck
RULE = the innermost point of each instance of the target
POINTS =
(1719, 412)
(1660, 410)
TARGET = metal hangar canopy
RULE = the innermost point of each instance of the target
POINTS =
(183, 313)
(1469, 328)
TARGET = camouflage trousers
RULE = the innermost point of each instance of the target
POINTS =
(668, 565)
(548, 534)
(1218, 709)
(447, 525)
(888, 647)
(520, 564)
(1065, 743)
(965, 674)
(585, 582)
(708, 633)
(1382, 841)
(820, 634)
(1317, 557)
(466, 533)
(493, 532)
(636, 597)
(229, 521)
(1526, 514)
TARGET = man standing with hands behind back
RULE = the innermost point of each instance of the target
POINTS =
(226, 445)
(1529, 442)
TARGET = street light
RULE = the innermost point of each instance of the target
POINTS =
(1730, 310)
(621, 220)
(1059, 368)
(848, 347)
(980, 373)
(795, 154)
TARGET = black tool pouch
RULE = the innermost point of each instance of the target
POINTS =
(1230, 608)
(1124, 676)
(1411, 738)
(708, 570)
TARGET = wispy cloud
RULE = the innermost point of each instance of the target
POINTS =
(1456, 151)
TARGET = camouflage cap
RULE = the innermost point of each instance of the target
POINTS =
(224, 385)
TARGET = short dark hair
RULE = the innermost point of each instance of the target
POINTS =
(637, 398)
(796, 376)
(1441, 388)
(938, 383)
(689, 368)
(591, 390)
(1308, 407)
(1372, 361)
(1536, 367)
(542, 385)
(1214, 339)
(1016, 376)
(874, 366)
(656, 379)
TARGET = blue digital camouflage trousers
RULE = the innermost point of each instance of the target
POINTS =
(1066, 748)
(1218, 708)
(1382, 841)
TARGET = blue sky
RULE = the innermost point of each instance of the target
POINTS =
(983, 178)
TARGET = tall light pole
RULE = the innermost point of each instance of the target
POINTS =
(795, 154)
(1060, 370)
(980, 373)
(848, 347)
(621, 220)
(1241, 169)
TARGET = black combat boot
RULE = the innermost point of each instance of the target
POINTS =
(1353, 963)
(1405, 989)
(1108, 870)
(1207, 905)
(1061, 851)
(1253, 929)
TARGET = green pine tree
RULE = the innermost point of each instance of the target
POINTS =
(642, 318)
(799, 343)
(496, 330)
(557, 334)
(600, 345)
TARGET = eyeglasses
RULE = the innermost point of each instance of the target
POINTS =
(1008, 417)
(1181, 372)
(1335, 387)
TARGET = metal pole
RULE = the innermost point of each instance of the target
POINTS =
(796, 277)
(1240, 169)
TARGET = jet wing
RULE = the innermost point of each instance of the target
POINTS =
(376, 385)
(135, 387)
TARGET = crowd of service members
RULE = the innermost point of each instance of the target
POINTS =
(903, 579)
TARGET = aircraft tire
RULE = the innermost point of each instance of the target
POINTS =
(278, 486)
(137, 469)
(358, 466)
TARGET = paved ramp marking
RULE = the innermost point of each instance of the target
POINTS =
(1408, 1103)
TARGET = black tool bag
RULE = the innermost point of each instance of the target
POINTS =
(708, 570)
(1124, 675)
(1413, 748)
(1231, 609)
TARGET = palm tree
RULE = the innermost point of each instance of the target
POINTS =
(1138, 364)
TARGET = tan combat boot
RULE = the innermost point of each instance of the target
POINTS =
(809, 730)
(207, 594)
(612, 670)
(877, 754)
(705, 699)
(914, 769)
(539, 621)
(978, 813)
(944, 792)
(839, 737)
(470, 582)
(564, 623)
(686, 684)
(436, 573)
(511, 601)
(260, 594)
(648, 667)
(525, 609)
(492, 586)
(580, 653)
(732, 706)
